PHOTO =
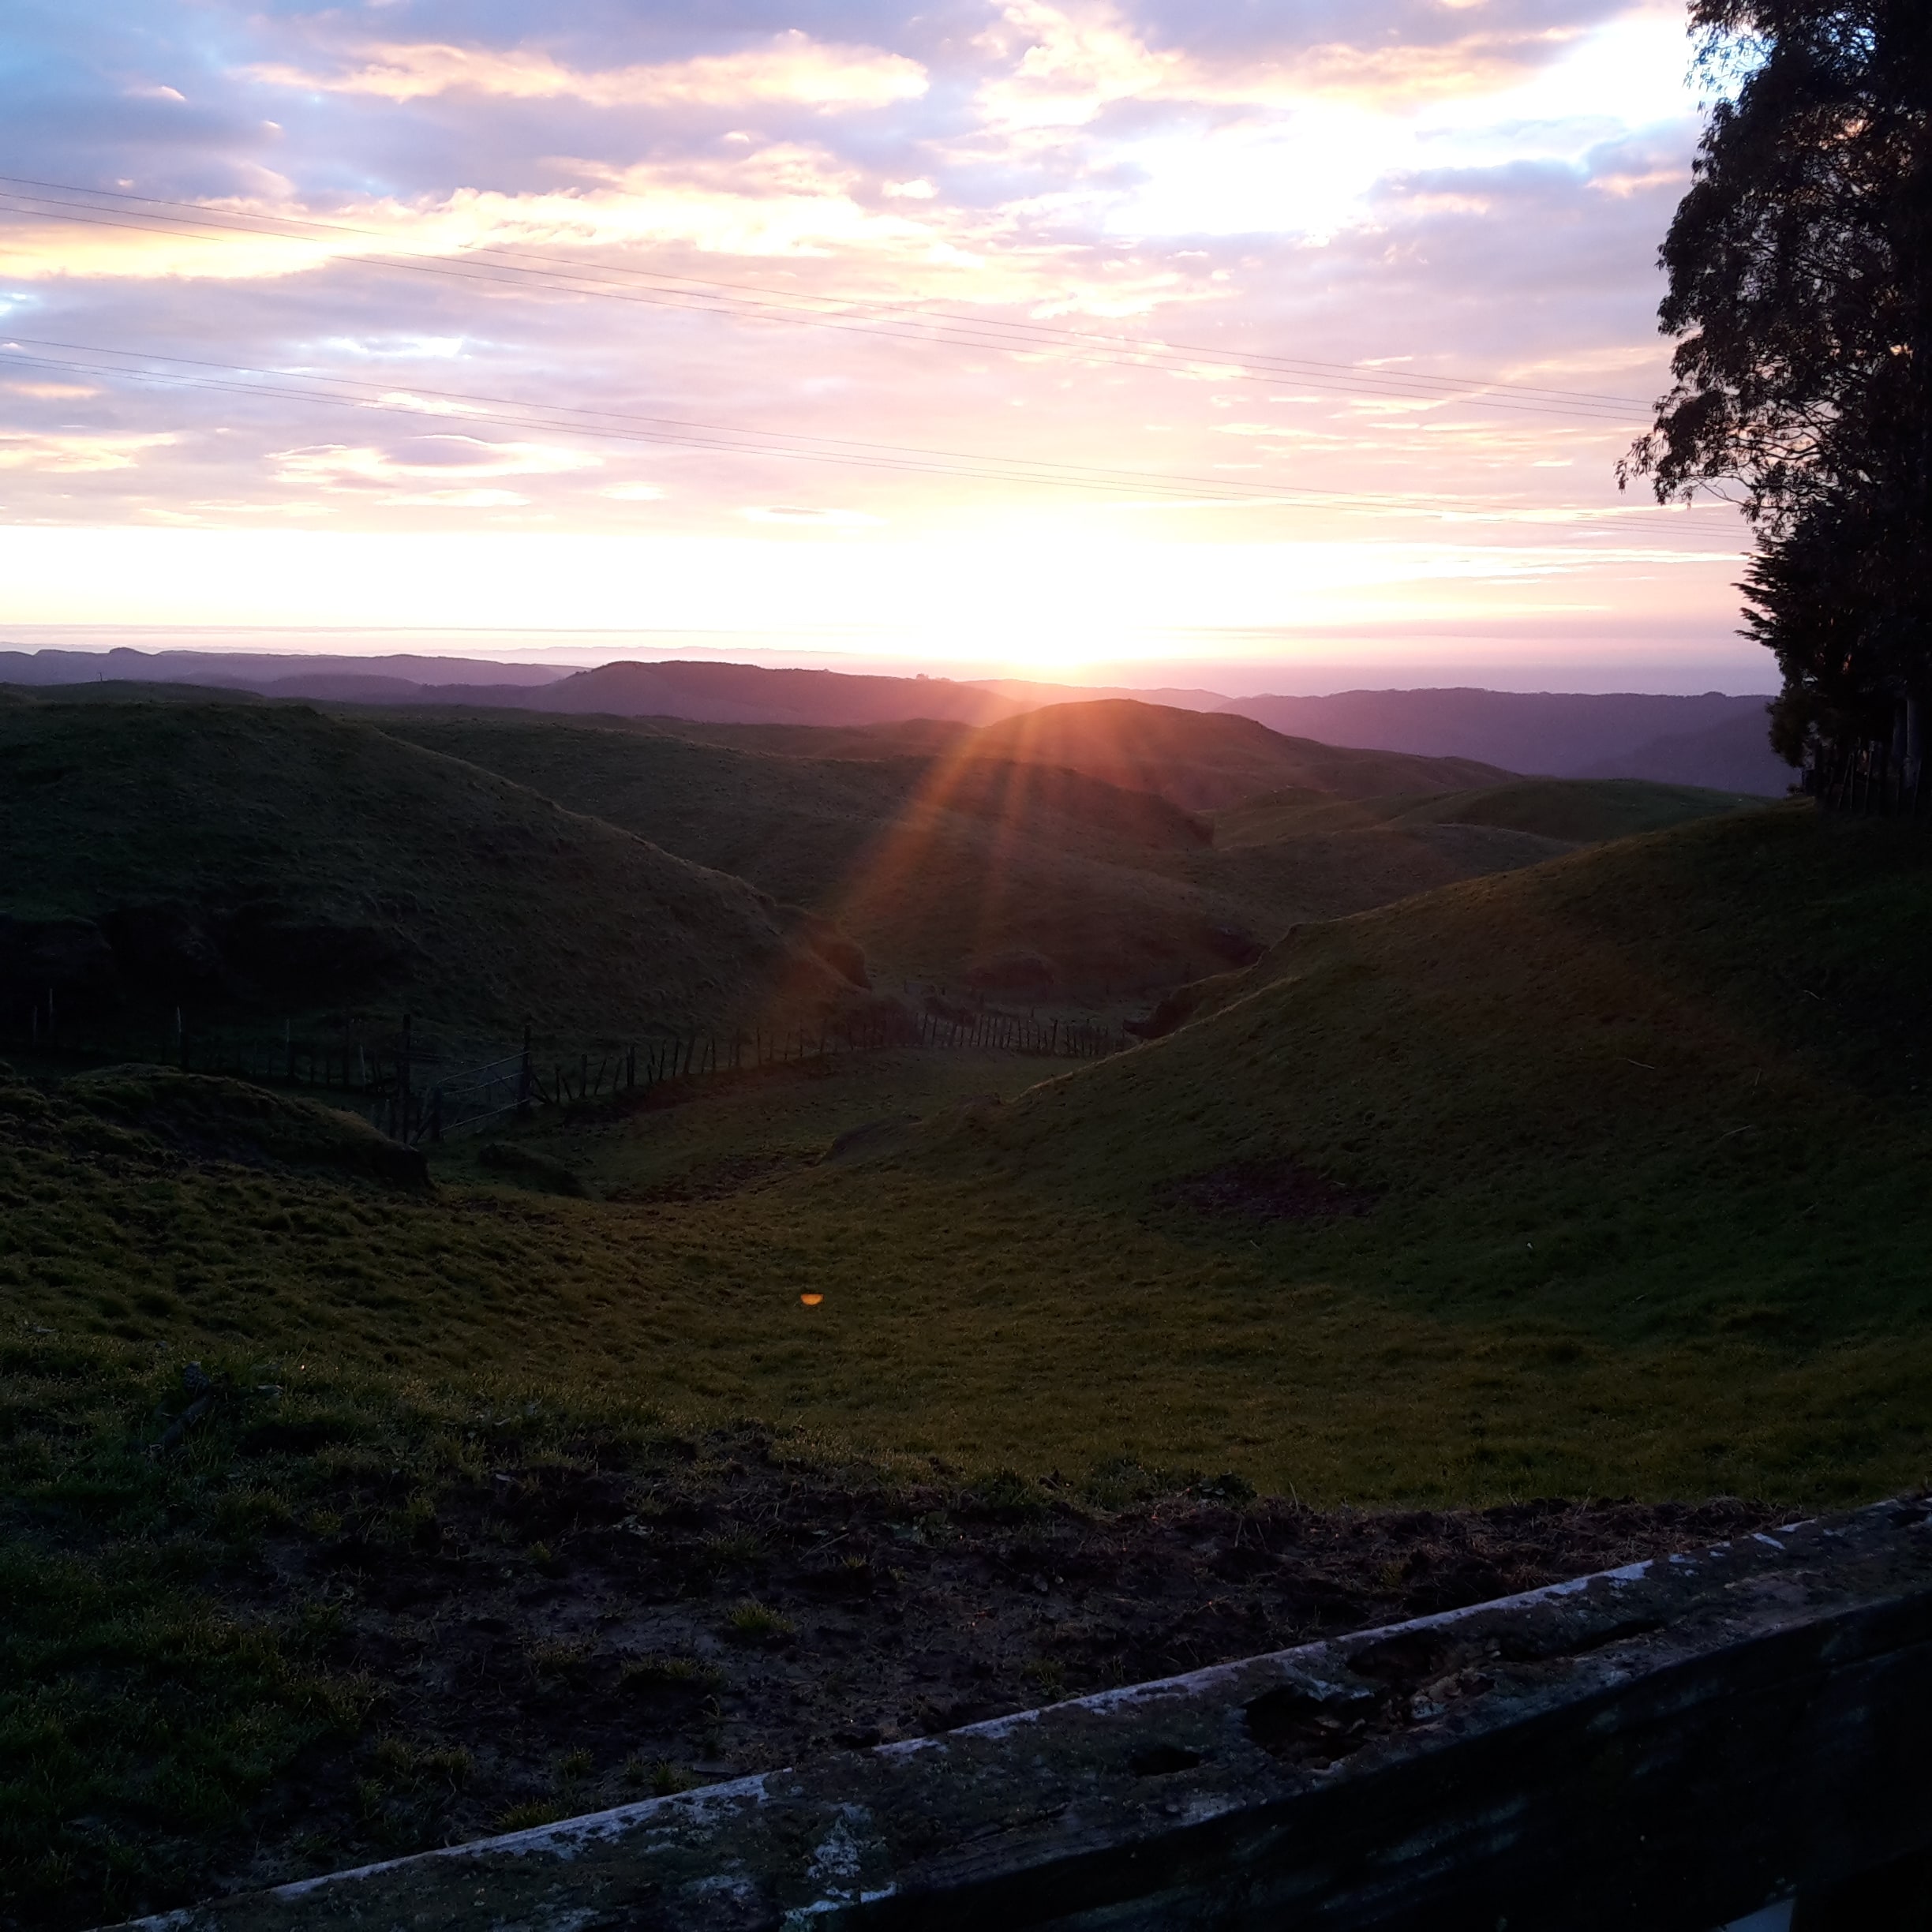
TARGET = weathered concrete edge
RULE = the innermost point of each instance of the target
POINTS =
(566, 1837)
(825, 1812)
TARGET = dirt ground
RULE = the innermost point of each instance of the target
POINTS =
(555, 1640)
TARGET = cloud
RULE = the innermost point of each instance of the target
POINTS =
(792, 67)
(1445, 189)
(822, 519)
(75, 454)
(457, 463)
(1068, 64)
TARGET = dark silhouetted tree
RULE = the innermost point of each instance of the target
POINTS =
(1800, 267)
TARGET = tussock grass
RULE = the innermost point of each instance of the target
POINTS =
(417, 880)
(1642, 1132)
(1009, 861)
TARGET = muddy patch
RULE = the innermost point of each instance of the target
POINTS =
(568, 1634)
(738, 1174)
(1272, 1190)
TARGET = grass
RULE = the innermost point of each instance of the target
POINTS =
(1615, 1172)
(966, 868)
(1623, 1120)
(1565, 811)
(266, 862)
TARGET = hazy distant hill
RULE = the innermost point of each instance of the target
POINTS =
(291, 673)
(697, 690)
(1560, 734)
(1732, 753)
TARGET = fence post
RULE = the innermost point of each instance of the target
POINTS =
(435, 1113)
(523, 1077)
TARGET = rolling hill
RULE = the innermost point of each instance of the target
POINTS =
(1027, 878)
(248, 859)
(1561, 812)
(1735, 751)
(1203, 760)
(1555, 734)
(1633, 1073)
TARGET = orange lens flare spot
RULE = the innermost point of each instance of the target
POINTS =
(811, 1300)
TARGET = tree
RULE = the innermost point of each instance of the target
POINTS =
(1800, 288)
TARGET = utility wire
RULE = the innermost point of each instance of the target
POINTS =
(609, 425)
(900, 321)
(613, 425)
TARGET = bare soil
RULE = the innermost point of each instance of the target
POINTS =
(1273, 1190)
(558, 1639)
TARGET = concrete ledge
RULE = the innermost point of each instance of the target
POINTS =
(1672, 1745)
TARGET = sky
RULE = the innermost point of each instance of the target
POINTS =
(1287, 346)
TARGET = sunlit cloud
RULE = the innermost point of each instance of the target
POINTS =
(76, 455)
(761, 251)
(50, 392)
(451, 460)
(792, 67)
(821, 519)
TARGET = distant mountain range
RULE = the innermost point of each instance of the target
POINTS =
(1713, 739)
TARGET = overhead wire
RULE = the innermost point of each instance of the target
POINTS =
(569, 419)
(523, 268)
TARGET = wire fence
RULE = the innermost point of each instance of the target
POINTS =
(1871, 775)
(401, 1079)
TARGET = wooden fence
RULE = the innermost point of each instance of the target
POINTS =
(396, 1076)
(407, 1110)
(1869, 776)
(1674, 1744)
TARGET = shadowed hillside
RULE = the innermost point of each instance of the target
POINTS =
(1539, 1184)
(1028, 879)
(1206, 759)
(1641, 1068)
(1735, 751)
(1022, 877)
(245, 860)
(1562, 733)
(1562, 811)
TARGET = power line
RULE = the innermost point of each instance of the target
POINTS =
(508, 412)
(899, 321)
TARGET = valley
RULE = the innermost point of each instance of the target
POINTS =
(1483, 1182)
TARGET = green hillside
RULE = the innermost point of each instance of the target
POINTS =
(1577, 812)
(1029, 878)
(1604, 1177)
(250, 862)
(1206, 759)
(1541, 1183)
(1033, 879)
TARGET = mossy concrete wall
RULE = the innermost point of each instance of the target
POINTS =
(1672, 1745)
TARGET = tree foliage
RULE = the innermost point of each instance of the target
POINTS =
(1800, 288)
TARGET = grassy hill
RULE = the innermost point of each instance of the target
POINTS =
(1034, 879)
(245, 860)
(1598, 1177)
(1006, 873)
(1604, 1177)
(942, 865)
(1200, 760)
(1561, 811)
(1203, 760)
